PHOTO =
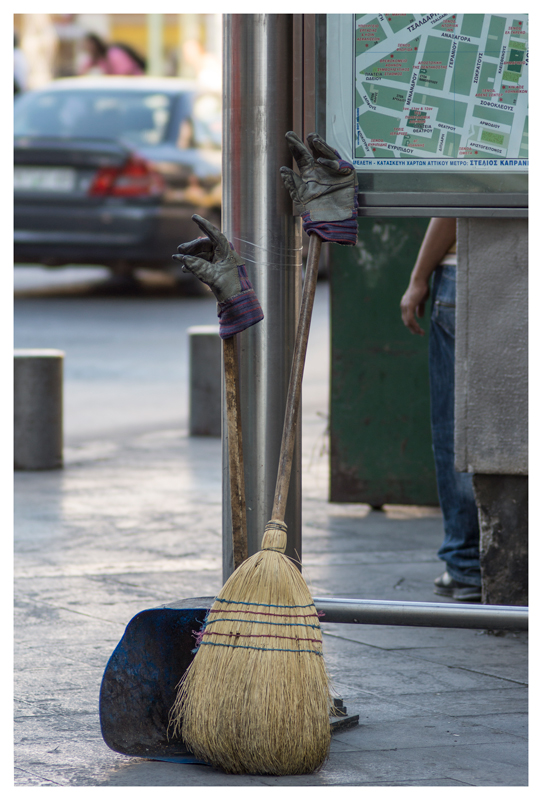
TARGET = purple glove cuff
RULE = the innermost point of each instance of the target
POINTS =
(344, 164)
(338, 232)
(241, 311)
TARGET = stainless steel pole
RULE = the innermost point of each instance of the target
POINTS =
(425, 615)
(257, 218)
(349, 610)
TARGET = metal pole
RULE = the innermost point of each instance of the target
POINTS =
(425, 615)
(257, 218)
(393, 612)
(155, 34)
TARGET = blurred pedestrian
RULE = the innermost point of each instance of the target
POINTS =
(113, 59)
(20, 67)
(39, 43)
(460, 549)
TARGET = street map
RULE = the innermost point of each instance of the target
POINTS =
(441, 90)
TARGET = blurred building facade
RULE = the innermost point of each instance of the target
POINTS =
(187, 45)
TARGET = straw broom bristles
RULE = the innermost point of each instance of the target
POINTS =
(256, 698)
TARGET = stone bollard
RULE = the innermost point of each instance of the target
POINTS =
(38, 425)
(205, 380)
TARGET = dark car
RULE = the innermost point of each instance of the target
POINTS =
(109, 170)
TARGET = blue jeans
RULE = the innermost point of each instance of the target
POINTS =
(460, 549)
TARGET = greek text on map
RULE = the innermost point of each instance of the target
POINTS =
(445, 90)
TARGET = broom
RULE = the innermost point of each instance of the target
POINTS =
(256, 698)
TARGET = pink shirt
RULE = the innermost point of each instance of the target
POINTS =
(116, 62)
(119, 63)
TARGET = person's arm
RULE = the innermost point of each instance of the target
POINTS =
(440, 236)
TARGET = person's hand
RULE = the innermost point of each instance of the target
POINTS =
(325, 192)
(413, 305)
(213, 260)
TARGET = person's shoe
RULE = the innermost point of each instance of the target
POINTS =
(447, 586)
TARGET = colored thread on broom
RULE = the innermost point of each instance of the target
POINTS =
(269, 605)
(260, 613)
(275, 649)
(261, 636)
(266, 622)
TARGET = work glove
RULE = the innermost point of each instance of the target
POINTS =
(325, 194)
(213, 260)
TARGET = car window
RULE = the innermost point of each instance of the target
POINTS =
(139, 117)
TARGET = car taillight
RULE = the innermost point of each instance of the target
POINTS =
(136, 178)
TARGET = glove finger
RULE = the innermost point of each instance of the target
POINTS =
(334, 165)
(321, 148)
(181, 261)
(197, 266)
(197, 247)
(310, 141)
(293, 183)
(218, 240)
(298, 150)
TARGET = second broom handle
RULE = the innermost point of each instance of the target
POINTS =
(296, 378)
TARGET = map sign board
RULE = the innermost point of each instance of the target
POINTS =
(433, 92)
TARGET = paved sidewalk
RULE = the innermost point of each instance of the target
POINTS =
(134, 522)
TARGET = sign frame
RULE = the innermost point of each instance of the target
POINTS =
(416, 189)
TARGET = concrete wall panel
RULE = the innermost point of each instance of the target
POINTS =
(491, 347)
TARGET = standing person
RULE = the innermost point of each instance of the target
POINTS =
(460, 549)
(114, 59)
(20, 67)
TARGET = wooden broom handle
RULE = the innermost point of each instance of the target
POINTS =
(296, 378)
(235, 452)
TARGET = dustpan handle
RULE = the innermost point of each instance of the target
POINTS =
(296, 378)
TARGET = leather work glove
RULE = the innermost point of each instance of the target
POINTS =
(325, 193)
(213, 260)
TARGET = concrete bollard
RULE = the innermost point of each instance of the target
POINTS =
(38, 423)
(205, 348)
